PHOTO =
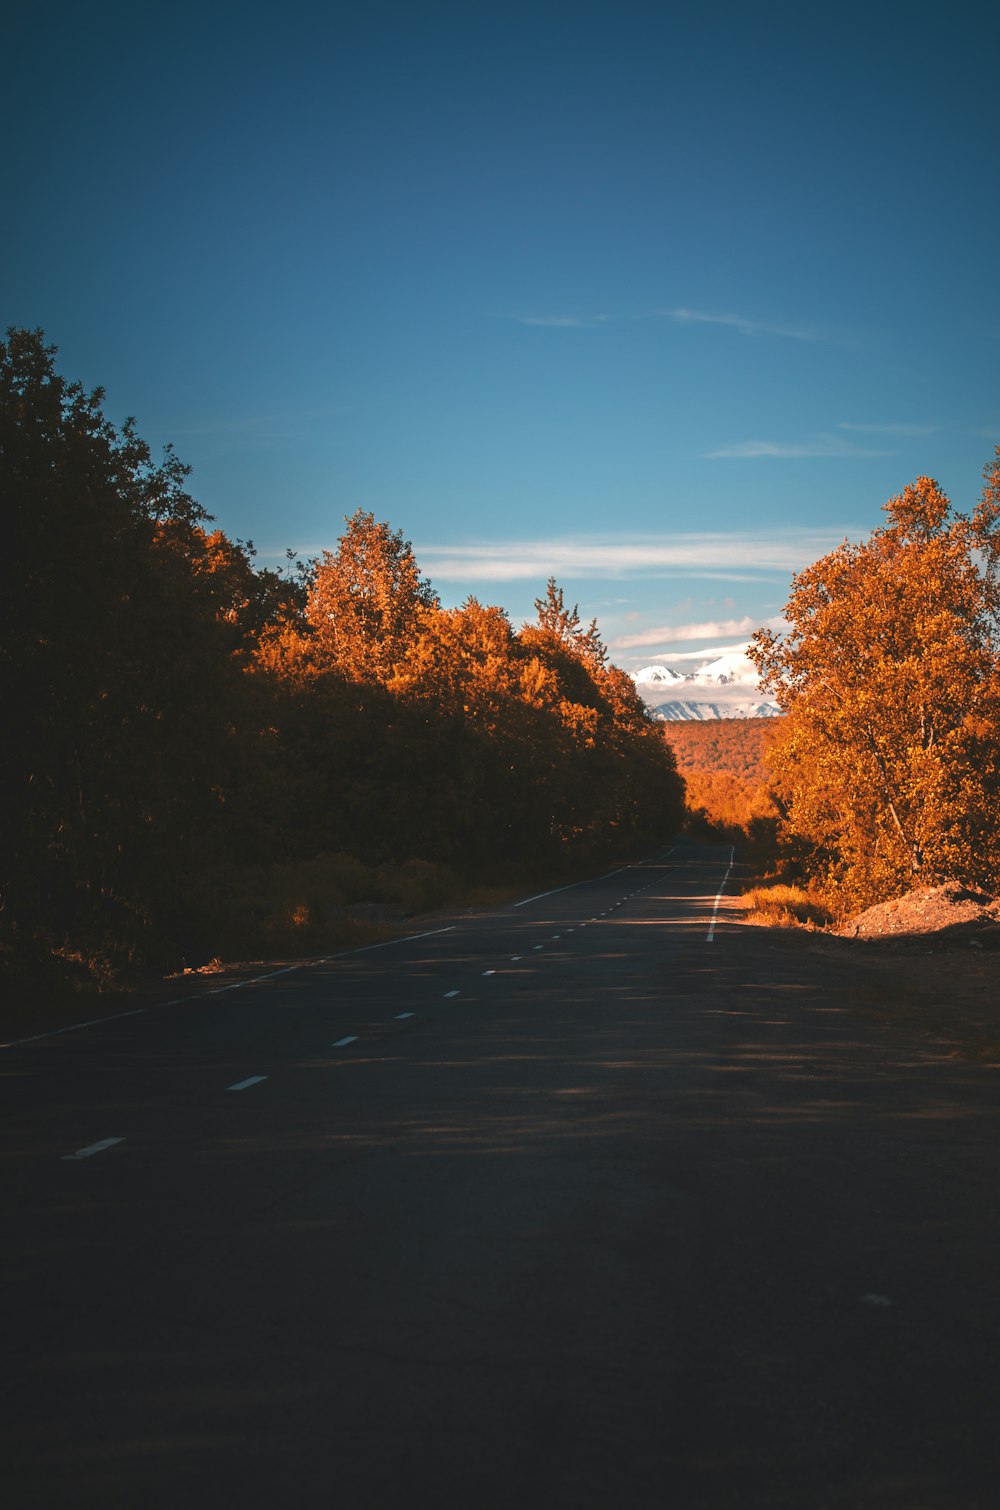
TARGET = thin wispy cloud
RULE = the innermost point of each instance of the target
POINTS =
(739, 322)
(562, 322)
(679, 316)
(725, 555)
(667, 634)
(826, 446)
(909, 430)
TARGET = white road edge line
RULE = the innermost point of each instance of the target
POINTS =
(92, 1148)
(242, 1085)
(305, 964)
(591, 880)
(55, 1032)
(302, 964)
(715, 910)
(367, 948)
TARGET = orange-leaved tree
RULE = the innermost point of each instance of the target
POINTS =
(888, 760)
(366, 600)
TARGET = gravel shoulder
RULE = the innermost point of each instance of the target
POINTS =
(923, 968)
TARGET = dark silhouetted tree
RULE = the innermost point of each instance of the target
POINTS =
(565, 623)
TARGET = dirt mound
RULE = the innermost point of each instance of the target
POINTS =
(934, 909)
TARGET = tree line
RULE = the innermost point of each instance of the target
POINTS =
(177, 716)
(735, 746)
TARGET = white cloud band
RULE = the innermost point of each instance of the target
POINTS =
(723, 555)
(668, 634)
(822, 446)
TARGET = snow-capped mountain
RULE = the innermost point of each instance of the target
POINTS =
(728, 671)
(724, 688)
(657, 676)
(678, 712)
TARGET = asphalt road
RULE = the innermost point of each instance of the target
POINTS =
(562, 1205)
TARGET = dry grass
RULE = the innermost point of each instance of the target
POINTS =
(779, 905)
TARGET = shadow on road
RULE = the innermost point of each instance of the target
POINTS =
(661, 1224)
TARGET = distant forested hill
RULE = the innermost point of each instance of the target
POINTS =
(722, 762)
(735, 746)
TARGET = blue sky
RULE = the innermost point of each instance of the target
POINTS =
(664, 301)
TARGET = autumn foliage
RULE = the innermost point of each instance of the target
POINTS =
(727, 791)
(187, 735)
(887, 762)
(730, 746)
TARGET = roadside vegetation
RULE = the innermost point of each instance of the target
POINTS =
(882, 776)
(207, 758)
(730, 798)
(886, 765)
(203, 757)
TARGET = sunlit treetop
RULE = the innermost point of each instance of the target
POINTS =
(890, 677)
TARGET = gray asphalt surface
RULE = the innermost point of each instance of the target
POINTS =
(589, 1211)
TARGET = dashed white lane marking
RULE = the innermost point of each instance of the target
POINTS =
(557, 935)
(401, 1015)
(342, 1043)
(305, 964)
(178, 1001)
(593, 879)
(489, 972)
(451, 993)
(539, 946)
(515, 956)
(92, 1148)
(242, 1085)
(715, 910)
